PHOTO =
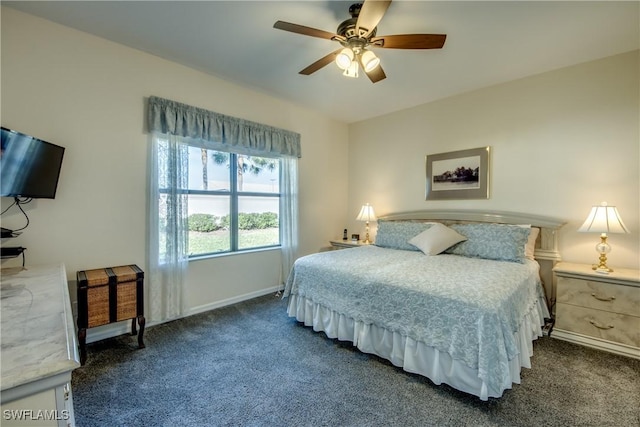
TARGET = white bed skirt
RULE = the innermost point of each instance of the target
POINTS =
(415, 356)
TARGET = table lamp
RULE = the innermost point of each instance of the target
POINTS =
(366, 214)
(603, 219)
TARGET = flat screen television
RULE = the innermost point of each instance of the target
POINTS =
(29, 167)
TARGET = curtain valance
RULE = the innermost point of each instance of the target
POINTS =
(244, 136)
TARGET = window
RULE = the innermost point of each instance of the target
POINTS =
(216, 190)
(233, 202)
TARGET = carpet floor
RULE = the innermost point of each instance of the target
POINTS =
(249, 364)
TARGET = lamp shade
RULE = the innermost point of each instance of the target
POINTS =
(366, 213)
(344, 58)
(369, 61)
(351, 70)
(604, 219)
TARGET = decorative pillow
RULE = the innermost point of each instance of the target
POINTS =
(530, 246)
(491, 241)
(436, 239)
(396, 234)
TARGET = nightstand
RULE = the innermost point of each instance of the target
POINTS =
(343, 244)
(598, 310)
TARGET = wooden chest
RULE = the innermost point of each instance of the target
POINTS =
(108, 295)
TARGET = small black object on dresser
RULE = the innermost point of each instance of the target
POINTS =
(12, 251)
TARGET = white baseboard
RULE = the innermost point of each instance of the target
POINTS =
(234, 300)
(120, 328)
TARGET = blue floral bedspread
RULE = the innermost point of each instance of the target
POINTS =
(466, 307)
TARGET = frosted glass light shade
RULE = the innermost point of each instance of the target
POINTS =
(369, 61)
(344, 58)
(352, 70)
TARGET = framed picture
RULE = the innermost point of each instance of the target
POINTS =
(458, 175)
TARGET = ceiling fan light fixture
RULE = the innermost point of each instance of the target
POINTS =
(356, 35)
(345, 58)
(352, 70)
(369, 61)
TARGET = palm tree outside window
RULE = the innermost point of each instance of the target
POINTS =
(233, 202)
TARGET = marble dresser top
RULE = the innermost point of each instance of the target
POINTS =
(37, 336)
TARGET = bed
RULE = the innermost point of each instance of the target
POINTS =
(453, 296)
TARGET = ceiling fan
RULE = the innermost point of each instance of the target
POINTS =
(357, 35)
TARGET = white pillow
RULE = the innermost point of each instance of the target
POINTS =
(530, 246)
(436, 239)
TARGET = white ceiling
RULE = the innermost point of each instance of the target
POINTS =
(487, 43)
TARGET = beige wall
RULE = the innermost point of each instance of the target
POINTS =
(561, 142)
(88, 95)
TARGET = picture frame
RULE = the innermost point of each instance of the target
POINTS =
(458, 175)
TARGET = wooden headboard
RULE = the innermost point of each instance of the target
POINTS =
(546, 252)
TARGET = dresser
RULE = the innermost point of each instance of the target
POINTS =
(598, 310)
(39, 349)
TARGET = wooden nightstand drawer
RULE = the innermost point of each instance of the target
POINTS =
(599, 295)
(343, 244)
(598, 310)
(605, 325)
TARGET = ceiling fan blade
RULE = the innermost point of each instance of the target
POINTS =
(376, 74)
(305, 31)
(410, 41)
(370, 15)
(326, 60)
